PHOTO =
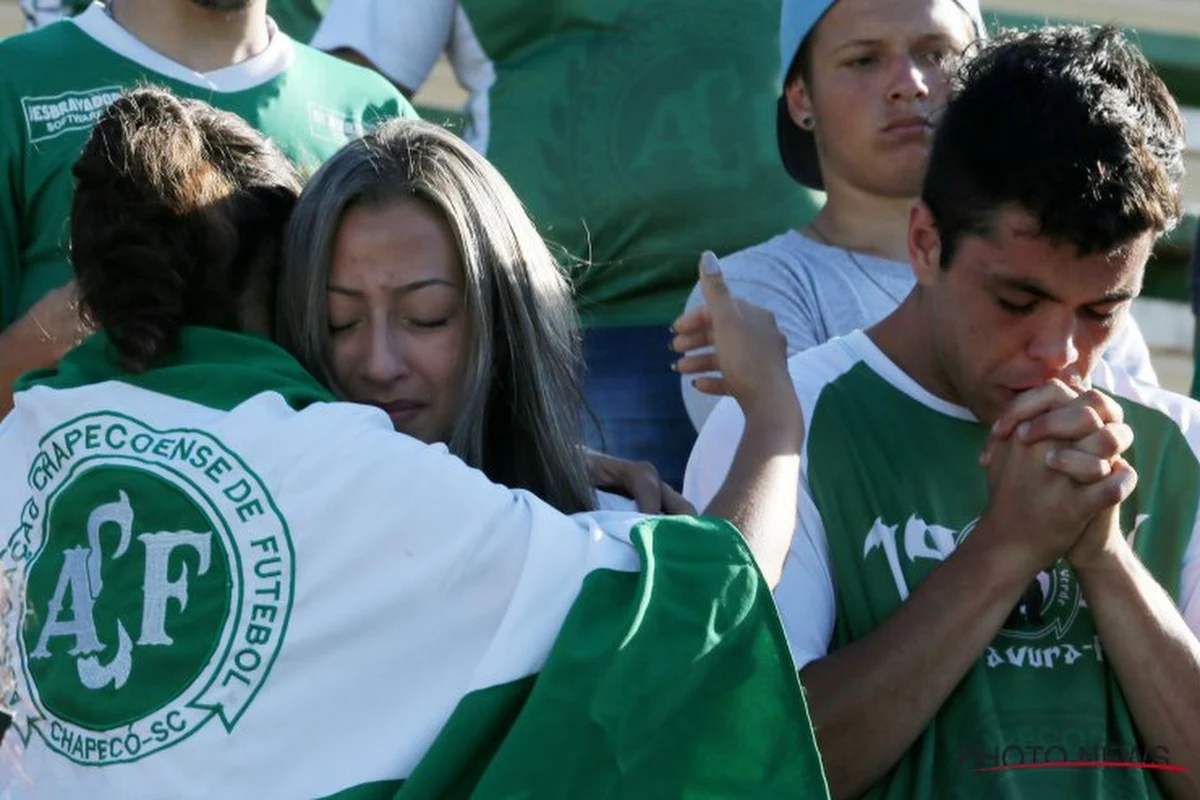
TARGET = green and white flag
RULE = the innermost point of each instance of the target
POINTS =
(221, 585)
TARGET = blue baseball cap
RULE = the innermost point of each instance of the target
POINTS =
(797, 147)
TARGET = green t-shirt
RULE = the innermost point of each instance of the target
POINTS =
(638, 133)
(56, 81)
(891, 486)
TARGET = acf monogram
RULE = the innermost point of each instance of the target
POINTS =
(157, 577)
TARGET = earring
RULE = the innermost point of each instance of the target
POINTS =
(807, 123)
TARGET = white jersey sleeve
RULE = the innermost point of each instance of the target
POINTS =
(805, 594)
(402, 39)
(1185, 412)
(1128, 351)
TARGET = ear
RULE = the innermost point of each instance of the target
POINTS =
(799, 104)
(924, 244)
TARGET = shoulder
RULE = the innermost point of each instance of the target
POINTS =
(49, 42)
(787, 254)
(814, 369)
(1160, 407)
(775, 274)
(341, 79)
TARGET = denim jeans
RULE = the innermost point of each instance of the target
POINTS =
(635, 397)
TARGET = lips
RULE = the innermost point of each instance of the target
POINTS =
(908, 126)
(401, 411)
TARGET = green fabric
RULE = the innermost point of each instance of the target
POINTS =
(1196, 368)
(897, 486)
(672, 682)
(215, 368)
(298, 18)
(639, 133)
(312, 109)
(675, 681)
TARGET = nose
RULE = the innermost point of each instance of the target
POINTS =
(910, 82)
(385, 360)
(1056, 347)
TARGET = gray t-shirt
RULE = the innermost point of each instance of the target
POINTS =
(818, 292)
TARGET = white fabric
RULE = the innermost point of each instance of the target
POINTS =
(806, 593)
(817, 292)
(1185, 412)
(404, 40)
(415, 581)
(255, 71)
(41, 12)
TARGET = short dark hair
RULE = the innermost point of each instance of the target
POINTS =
(1069, 124)
(801, 66)
(177, 220)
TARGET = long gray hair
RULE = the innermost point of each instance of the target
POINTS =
(523, 398)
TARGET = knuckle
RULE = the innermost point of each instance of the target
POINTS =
(1108, 443)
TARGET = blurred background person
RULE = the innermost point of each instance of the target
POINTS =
(56, 81)
(297, 18)
(636, 133)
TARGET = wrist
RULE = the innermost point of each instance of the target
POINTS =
(1109, 555)
(779, 412)
(1011, 564)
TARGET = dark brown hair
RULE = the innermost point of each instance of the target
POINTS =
(177, 220)
(1069, 124)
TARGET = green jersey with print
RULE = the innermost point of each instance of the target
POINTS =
(56, 81)
(638, 133)
(893, 474)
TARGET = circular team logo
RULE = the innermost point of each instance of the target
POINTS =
(1049, 605)
(158, 580)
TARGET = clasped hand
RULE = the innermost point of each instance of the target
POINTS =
(1056, 475)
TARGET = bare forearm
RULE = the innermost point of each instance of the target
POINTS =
(759, 492)
(1156, 659)
(22, 349)
(871, 700)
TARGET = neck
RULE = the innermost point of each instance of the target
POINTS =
(200, 39)
(866, 223)
(906, 338)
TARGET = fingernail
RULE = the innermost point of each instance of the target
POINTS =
(996, 426)
(674, 366)
(1051, 455)
(709, 263)
(1023, 430)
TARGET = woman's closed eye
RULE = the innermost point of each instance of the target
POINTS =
(439, 322)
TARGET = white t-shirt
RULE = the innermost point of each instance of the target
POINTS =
(404, 40)
(818, 292)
